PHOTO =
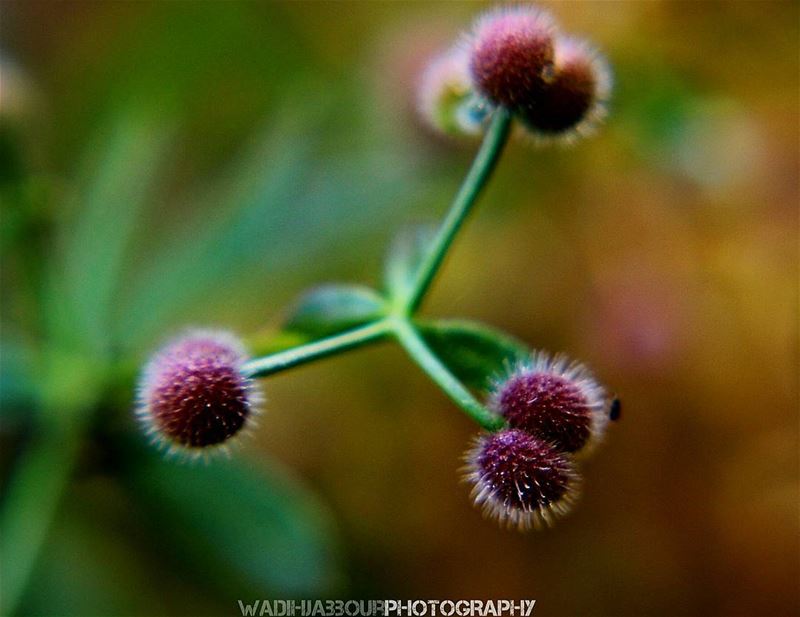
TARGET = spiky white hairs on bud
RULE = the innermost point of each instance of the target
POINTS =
(556, 399)
(193, 399)
(445, 98)
(520, 480)
(574, 103)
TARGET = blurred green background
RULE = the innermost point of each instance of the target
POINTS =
(168, 163)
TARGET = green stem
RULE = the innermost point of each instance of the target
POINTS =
(417, 348)
(482, 167)
(357, 337)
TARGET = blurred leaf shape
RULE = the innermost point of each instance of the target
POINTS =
(474, 352)
(333, 308)
(246, 521)
(19, 389)
(121, 173)
(204, 251)
(404, 259)
(289, 203)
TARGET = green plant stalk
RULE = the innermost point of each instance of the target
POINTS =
(351, 339)
(482, 167)
(400, 325)
(410, 339)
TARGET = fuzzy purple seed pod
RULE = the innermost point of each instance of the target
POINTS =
(511, 55)
(574, 101)
(193, 397)
(555, 399)
(521, 480)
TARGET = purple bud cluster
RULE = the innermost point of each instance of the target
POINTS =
(516, 57)
(525, 475)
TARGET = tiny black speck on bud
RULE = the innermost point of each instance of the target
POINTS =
(615, 410)
(193, 396)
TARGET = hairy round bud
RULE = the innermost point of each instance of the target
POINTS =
(520, 480)
(511, 55)
(574, 102)
(556, 400)
(193, 396)
(445, 98)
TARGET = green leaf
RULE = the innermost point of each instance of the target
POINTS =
(289, 206)
(404, 259)
(118, 180)
(474, 352)
(334, 308)
(209, 249)
(242, 523)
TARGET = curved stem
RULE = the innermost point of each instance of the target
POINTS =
(482, 167)
(261, 367)
(417, 348)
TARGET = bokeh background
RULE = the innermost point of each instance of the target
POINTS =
(170, 163)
